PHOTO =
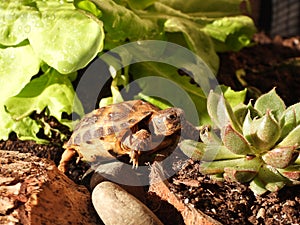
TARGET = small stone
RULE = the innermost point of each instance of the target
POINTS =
(115, 206)
(214, 211)
(119, 173)
(261, 213)
(115, 171)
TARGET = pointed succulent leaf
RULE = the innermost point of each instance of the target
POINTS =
(297, 161)
(265, 132)
(257, 186)
(275, 185)
(212, 107)
(214, 149)
(240, 111)
(292, 172)
(206, 152)
(280, 157)
(208, 136)
(217, 167)
(269, 129)
(242, 176)
(272, 179)
(244, 171)
(288, 122)
(220, 111)
(290, 119)
(296, 109)
(247, 130)
(234, 141)
(192, 149)
(211, 168)
(292, 139)
(253, 112)
(270, 101)
(219, 152)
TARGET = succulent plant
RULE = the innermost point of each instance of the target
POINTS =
(257, 143)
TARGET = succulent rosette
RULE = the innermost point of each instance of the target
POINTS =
(250, 143)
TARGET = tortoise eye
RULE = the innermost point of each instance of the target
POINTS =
(172, 116)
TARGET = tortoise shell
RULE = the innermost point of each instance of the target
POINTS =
(111, 121)
(131, 127)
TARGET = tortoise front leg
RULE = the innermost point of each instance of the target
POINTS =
(67, 155)
(137, 142)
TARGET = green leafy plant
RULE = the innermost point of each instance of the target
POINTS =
(257, 143)
(64, 36)
(34, 36)
(196, 25)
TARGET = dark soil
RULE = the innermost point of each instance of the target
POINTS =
(267, 64)
(233, 203)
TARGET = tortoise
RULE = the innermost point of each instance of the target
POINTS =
(131, 127)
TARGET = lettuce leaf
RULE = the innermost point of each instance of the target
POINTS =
(121, 24)
(207, 27)
(55, 33)
(56, 38)
(209, 8)
(196, 40)
(16, 19)
(67, 39)
(15, 73)
(51, 91)
(231, 33)
(26, 129)
(54, 29)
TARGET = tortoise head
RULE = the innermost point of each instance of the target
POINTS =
(166, 122)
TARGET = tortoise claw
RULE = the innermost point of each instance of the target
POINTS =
(62, 167)
(65, 158)
(134, 155)
(135, 165)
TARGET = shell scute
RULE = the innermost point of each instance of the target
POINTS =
(88, 120)
(110, 121)
(86, 136)
(99, 132)
(76, 140)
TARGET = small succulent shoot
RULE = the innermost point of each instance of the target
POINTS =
(257, 143)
